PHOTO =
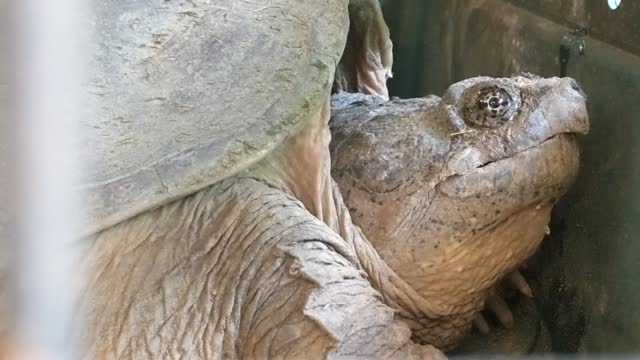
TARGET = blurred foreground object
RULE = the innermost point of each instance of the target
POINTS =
(39, 168)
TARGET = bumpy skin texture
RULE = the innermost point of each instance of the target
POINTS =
(268, 264)
(241, 270)
(249, 268)
(451, 196)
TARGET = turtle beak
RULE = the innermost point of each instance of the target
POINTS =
(566, 108)
(576, 87)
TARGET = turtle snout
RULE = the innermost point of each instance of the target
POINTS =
(574, 87)
(570, 107)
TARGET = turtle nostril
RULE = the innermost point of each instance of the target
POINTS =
(576, 87)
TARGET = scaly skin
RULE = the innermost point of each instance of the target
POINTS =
(451, 206)
(266, 264)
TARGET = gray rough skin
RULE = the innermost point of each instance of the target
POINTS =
(453, 207)
(257, 257)
(265, 264)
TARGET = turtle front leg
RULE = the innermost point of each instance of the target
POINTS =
(266, 264)
(301, 167)
(240, 270)
(368, 57)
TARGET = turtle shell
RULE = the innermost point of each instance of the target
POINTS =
(186, 93)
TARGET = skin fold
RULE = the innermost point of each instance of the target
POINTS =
(266, 264)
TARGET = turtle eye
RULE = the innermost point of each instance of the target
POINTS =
(493, 107)
(494, 104)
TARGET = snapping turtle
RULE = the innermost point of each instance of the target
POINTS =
(215, 229)
(455, 193)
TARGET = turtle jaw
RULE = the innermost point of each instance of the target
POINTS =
(500, 211)
(463, 279)
(472, 238)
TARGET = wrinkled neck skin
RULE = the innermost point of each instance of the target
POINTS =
(302, 165)
(302, 168)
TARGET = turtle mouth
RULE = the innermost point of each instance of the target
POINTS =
(495, 191)
(562, 147)
(569, 136)
(496, 216)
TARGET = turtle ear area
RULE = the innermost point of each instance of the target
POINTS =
(489, 104)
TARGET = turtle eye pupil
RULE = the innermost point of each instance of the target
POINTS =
(494, 102)
(489, 105)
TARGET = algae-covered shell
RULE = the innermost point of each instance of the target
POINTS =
(186, 93)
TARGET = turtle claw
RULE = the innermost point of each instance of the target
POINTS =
(518, 281)
(498, 306)
(501, 310)
(480, 323)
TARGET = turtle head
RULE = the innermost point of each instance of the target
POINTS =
(455, 192)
